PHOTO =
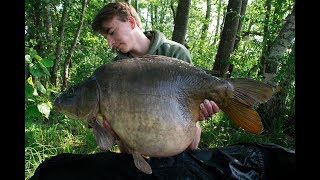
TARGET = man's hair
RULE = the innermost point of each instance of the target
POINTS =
(121, 10)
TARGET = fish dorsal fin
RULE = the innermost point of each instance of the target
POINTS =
(244, 116)
(141, 163)
(104, 138)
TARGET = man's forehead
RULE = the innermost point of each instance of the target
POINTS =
(109, 23)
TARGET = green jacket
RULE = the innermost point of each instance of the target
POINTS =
(160, 45)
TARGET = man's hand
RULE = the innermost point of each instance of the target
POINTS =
(207, 109)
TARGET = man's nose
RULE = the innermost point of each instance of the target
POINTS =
(110, 42)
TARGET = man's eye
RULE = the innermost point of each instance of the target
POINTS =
(111, 33)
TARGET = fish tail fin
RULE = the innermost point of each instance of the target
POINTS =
(246, 94)
(244, 116)
(251, 92)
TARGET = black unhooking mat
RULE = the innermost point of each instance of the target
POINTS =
(238, 161)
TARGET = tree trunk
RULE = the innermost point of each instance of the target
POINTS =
(173, 11)
(151, 16)
(181, 21)
(204, 30)
(58, 49)
(48, 27)
(279, 108)
(35, 32)
(266, 38)
(242, 13)
(136, 6)
(154, 15)
(228, 37)
(280, 44)
(49, 38)
(218, 23)
(68, 58)
(205, 26)
(37, 29)
(270, 110)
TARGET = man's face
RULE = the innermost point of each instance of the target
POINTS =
(118, 34)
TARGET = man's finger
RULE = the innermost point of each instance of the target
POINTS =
(204, 110)
(208, 106)
(201, 116)
(214, 107)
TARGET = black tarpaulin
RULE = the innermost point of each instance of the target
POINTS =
(238, 161)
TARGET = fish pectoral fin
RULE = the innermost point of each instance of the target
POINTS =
(141, 163)
(244, 116)
(104, 138)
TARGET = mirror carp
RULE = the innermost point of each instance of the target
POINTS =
(149, 105)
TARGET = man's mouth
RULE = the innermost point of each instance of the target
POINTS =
(116, 47)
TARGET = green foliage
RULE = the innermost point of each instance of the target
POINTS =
(35, 154)
(220, 131)
(37, 96)
(246, 59)
(59, 134)
(84, 62)
(281, 108)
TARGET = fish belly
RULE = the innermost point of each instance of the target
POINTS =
(153, 125)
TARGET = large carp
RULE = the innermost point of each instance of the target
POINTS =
(151, 104)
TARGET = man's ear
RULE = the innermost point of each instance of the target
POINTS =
(132, 22)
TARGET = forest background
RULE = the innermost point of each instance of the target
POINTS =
(235, 38)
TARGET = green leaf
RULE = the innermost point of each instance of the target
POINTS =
(40, 87)
(32, 111)
(27, 58)
(49, 104)
(44, 109)
(44, 69)
(47, 62)
(37, 57)
(35, 92)
(29, 81)
(35, 71)
(29, 90)
(31, 100)
(32, 52)
(33, 42)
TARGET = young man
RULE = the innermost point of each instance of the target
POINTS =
(120, 24)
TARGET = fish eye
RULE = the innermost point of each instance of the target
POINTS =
(70, 92)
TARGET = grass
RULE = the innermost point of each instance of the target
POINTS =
(47, 138)
(59, 134)
(221, 131)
